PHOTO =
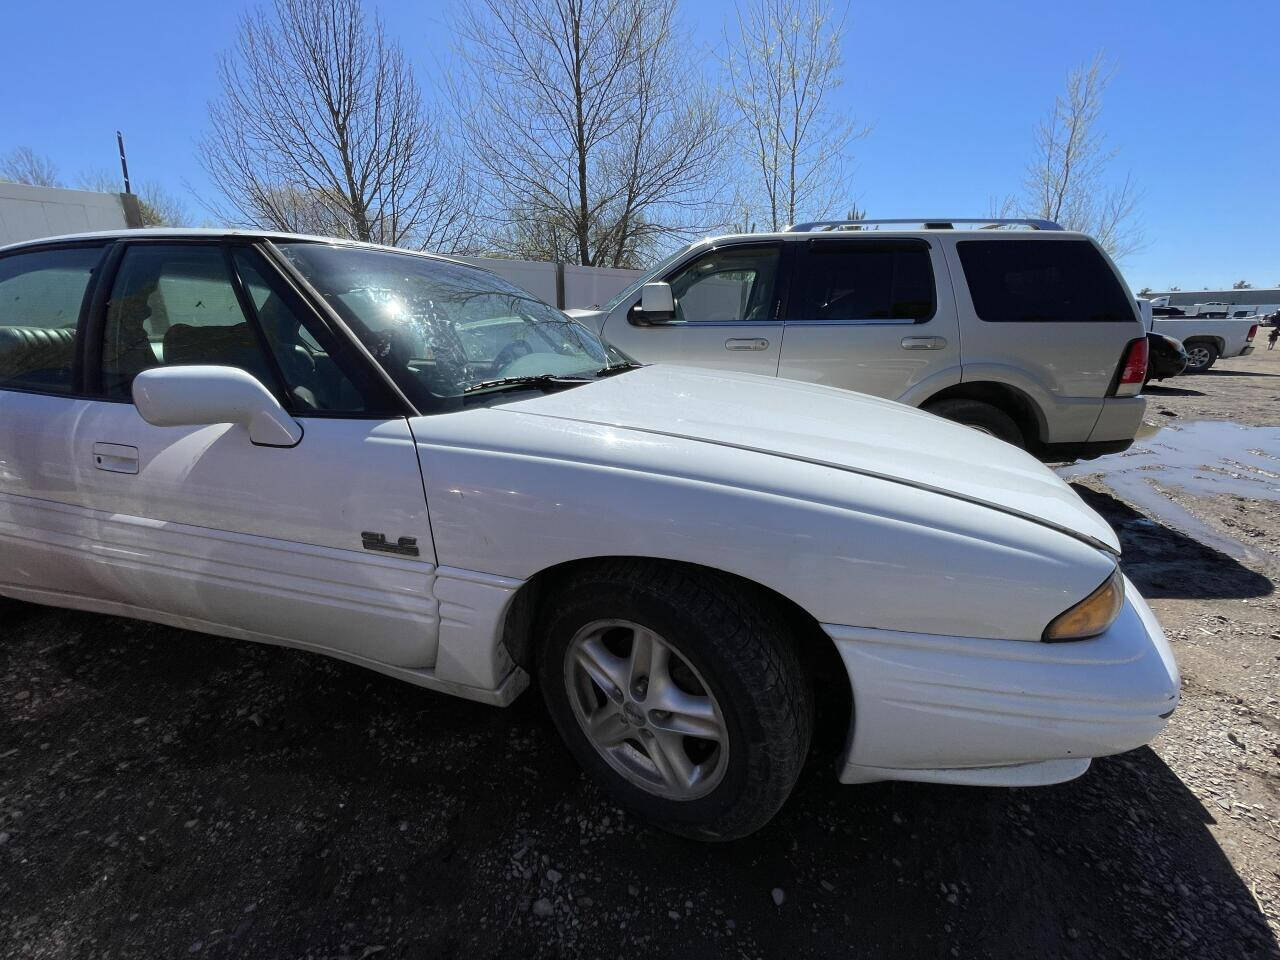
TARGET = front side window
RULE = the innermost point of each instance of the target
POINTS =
(40, 297)
(729, 285)
(1042, 281)
(851, 281)
(445, 330)
(174, 304)
(632, 290)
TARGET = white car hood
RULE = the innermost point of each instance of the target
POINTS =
(835, 428)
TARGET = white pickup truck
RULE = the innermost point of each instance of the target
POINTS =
(1206, 340)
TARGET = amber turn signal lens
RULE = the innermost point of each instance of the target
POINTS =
(1091, 616)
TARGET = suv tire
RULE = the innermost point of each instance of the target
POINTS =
(980, 416)
(1201, 355)
(728, 661)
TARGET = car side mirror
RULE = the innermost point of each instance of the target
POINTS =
(195, 396)
(657, 305)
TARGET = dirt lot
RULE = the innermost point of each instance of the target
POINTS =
(165, 794)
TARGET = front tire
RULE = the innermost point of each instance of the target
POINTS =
(1200, 356)
(678, 691)
(980, 416)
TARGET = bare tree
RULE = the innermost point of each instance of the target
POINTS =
(600, 142)
(318, 106)
(1069, 180)
(1242, 285)
(1145, 292)
(782, 70)
(158, 206)
(24, 165)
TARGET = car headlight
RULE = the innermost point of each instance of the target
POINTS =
(1091, 616)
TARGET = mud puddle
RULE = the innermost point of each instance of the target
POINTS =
(1204, 458)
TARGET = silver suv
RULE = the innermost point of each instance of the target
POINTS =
(1020, 328)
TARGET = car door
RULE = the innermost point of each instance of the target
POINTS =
(865, 314)
(324, 545)
(727, 313)
(42, 293)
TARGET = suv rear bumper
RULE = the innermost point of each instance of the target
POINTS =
(1112, 432)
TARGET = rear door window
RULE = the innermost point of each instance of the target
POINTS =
(1042, 281)
(860, 281)
(40, 297)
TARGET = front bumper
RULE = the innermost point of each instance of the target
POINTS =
(1003, 712)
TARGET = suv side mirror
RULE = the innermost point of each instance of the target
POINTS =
(196, 396)
(657, 305)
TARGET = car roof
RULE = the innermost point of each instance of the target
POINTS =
(187, 233)
(899, 232)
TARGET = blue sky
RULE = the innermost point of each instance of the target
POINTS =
(952, 90)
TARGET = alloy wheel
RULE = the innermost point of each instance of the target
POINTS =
(646, 710)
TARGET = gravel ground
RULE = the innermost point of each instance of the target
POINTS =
(166, 794)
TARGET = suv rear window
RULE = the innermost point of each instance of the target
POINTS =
(1042, 281)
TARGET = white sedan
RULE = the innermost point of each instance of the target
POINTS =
(407, 463)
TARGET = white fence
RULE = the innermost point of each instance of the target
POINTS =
(561, 284)
(27, 213)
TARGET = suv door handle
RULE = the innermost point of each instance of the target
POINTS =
(923, 343)
(115, 457)
(747, 343)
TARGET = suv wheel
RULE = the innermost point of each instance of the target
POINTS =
(679, 693)
(980, 416)
(1200, 356)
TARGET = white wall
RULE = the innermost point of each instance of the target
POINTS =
(591, 286)
(28, 213)
(583, 286)
(538, 278)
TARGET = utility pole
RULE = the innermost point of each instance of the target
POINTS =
(124, 164)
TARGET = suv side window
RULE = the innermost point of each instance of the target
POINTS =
(852, 281)
(1042, 281)
(40, 297)
(175, 304)
(729, 285)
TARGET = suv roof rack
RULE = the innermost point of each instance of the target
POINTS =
(929, 223)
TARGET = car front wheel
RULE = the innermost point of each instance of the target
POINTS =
(678, 691)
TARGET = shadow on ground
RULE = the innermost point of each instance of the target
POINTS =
(1233, 373)
(171, 794)
(1160, 390)
(1163, 562)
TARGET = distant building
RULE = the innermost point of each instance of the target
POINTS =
(1260, 301)
(29, 213)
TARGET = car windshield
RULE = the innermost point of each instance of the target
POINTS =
(633, 288)
(444, 330)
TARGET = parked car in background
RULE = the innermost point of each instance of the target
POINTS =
(1029, 335)
(1206, 340)
(407, 463)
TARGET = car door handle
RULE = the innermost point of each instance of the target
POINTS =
(115, 457)
(923, 343)
(747, 343)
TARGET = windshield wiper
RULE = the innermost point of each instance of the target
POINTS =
(542, 381)
(614, 368)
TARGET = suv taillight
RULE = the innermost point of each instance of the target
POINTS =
(1253, 332)
(1133, 369)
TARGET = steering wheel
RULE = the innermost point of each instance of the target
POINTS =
(512, 352)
